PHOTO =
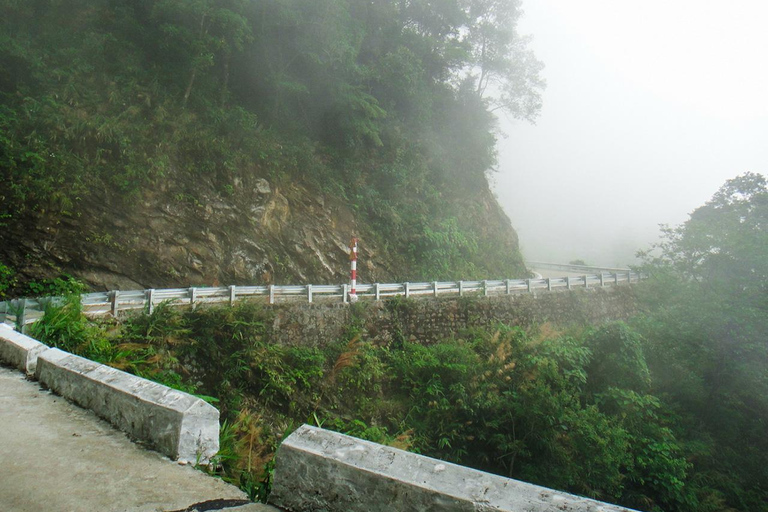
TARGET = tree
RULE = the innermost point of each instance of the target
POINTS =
(707, 318)
(617, 360)
(476, 41)
(726, 240)
(205, 31)
(502, 67)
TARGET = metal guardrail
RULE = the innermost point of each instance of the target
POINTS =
(23, 312)
(585, 269)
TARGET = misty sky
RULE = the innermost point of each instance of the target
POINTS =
(650, 106)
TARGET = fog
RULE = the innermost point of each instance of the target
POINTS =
(649, 108)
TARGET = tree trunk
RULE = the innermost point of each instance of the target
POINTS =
(192, 77)
(225, 79)
(189, 87)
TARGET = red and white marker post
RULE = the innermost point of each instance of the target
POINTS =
(353, 265)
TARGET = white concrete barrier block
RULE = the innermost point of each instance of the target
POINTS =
(19, 350)
(320, 470)
(177, 424)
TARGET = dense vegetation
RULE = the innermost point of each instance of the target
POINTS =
(707, 347)
(386, 105)
(571, 410)
(666, 413)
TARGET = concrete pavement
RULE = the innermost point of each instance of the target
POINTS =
(57, 457)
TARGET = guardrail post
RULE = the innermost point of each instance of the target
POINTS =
(115, 302)
(586, 283)
(309, 293)
(12, 310)
(485, 288)
(407, 290)
(506, 285)
(192, 296)
(616, 278)
(629, 277)
(345, 293)
(148, 298)
(549, 284)
(21, 316)
(461, 288)
(434, 288)
(568, 282)
(232, 294)
(377, 291)
(271, 294)
(602, 280)
(44, 302)
(528, 285)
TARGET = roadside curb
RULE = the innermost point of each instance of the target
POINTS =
(340, 473)
(19, 350)
(177, 424)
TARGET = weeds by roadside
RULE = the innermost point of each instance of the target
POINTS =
(527, 404)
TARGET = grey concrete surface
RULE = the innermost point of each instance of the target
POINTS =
(319, 470)
(177, 424)
(57, 457)
(19, 350)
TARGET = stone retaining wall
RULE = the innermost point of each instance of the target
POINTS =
(428, 320)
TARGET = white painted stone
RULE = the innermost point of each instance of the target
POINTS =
(177, 424)
(319, 470)
(19, 350)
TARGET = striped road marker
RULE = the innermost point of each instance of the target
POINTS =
(353, 263)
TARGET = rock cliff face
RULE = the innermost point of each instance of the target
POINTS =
(258, 233)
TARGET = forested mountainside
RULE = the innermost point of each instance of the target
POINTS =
(664, 413)
(173, 142)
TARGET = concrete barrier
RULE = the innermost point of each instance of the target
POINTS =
(316, 469)
(177, 424)
(19, 350)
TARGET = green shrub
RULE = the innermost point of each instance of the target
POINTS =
(8, 280)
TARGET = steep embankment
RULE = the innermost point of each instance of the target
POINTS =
(174, 142)
(260, 233)
(263, 233)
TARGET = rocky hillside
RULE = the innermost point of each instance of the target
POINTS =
(168, 143)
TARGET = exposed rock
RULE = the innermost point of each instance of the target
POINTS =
(255, 233)
(262, 187)
(260, 234)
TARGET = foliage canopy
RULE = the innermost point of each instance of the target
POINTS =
(385, 104)
(706, 323)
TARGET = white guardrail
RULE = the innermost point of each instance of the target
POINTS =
(22, 312)
(578, 269)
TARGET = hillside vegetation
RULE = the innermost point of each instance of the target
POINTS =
(256, 137)
(665, 413)
(161, 143)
